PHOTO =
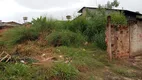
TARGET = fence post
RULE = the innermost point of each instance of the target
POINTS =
(109, 38)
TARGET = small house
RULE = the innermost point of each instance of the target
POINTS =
(6, 25)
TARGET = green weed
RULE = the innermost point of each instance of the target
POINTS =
(64, 38)
(65, 71)
(14, 71)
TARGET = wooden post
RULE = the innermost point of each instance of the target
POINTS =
(4, 56)
(1, 54)
(109, 38)
(129, 27)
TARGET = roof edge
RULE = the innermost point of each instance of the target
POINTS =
(80, 11)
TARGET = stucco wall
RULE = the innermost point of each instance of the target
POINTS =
(136, 39)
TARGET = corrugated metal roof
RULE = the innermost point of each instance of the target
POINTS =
(9, 24)
(80, 11)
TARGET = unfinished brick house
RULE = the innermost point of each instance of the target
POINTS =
(124, 41)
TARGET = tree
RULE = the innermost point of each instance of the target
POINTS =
(115, 3)
(110, 5)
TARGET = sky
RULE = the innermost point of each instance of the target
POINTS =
(15, 10)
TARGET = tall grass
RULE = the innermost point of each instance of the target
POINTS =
(44, 24)
(19, 35)
(65, 38)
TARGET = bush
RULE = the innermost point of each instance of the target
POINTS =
(78, 25)
(62, 25)
(19, 34)
(96, 24)
(65, 71)
(65, 38)
(118, 18)
(100, 41)
(43, 24)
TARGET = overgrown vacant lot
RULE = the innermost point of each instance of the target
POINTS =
(63, 50)
(65, 63)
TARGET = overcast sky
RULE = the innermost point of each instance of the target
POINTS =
(14, 10)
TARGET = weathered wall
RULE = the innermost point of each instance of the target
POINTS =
(136, 39)
(121, 35)
(124, 41)
(118, 41)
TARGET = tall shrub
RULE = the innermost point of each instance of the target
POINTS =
(79, 25)
(96, 23)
